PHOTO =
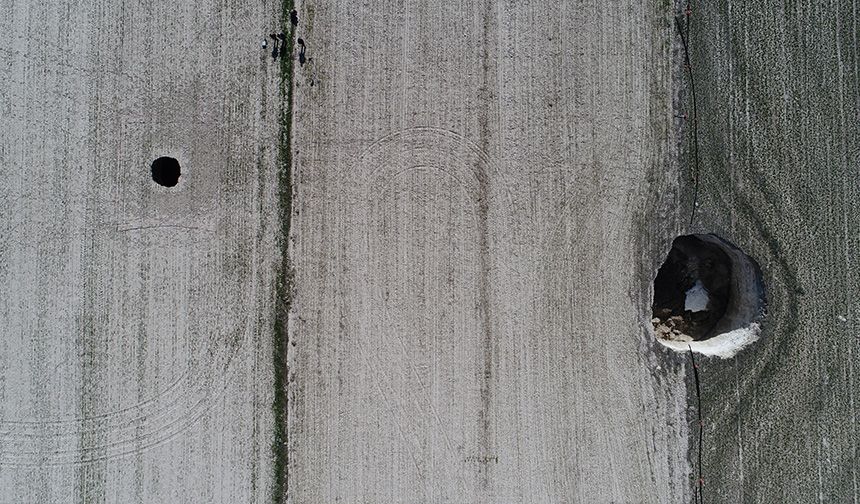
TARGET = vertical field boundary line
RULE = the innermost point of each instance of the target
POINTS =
(283, 273)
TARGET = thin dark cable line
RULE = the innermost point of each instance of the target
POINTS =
(695, 118)
(700, 483)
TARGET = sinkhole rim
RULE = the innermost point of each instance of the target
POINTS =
(740, 324)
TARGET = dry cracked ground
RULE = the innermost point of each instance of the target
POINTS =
(411, 259)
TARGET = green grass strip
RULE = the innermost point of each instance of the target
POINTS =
(283, 276)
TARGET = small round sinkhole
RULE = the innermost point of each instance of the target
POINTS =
(708, 296)
(165, 171)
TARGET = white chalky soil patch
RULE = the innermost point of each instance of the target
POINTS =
(696, 298)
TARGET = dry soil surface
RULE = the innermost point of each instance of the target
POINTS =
(779, 89)
(471, 185)
(481, 195)
(135, 356)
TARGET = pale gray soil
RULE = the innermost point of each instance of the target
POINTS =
(470, 181)
(135, 357)
(481, 195)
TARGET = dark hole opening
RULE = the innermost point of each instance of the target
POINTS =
(165, 171)
(692, 290)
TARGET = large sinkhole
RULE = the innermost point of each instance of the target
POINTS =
(708, 296)
(165, 171)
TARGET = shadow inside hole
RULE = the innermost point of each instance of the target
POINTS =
(166, 171)
(692, 290)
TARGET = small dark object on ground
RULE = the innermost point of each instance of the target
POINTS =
(273, 36)
(302, 49)
(294, 17)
